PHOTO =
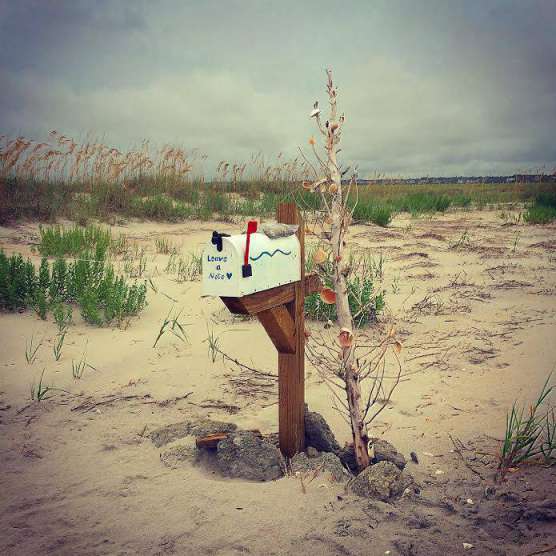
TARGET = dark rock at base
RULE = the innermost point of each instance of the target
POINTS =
(312, 452)
(325, 462)
(347, 457)
(382, 481)
(318, 433)
(384, 451)
(243, 455)
(193, 427)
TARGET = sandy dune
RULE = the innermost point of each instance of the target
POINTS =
(474, 302)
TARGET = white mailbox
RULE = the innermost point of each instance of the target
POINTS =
(238, 265)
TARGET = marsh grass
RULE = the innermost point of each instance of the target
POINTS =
(189, 268)
(172, 324)
(164, 246)
(40, 391)
(31, 350)
(530, 433)
(93, 180)
(58, 345)
(543, 209)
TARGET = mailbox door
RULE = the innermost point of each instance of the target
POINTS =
(222, 269)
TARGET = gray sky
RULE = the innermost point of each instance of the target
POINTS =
(428, 87)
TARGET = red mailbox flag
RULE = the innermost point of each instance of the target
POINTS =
(251, 229)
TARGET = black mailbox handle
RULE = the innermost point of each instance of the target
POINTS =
(217, 239)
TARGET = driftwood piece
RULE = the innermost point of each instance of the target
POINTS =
(210, 441)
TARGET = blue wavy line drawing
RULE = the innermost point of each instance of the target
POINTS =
(270, 254)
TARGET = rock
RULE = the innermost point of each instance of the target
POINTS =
(318, 433)
(326, 462)
(195, 427)
(347, 457)
(277, 230)
(382, 480)
(384, 451)
(244, 455)
(176, 455)
(312, 452)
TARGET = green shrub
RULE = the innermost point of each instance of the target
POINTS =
(369, 211)
(364, 301)
(543, 209)
(57, 241)
(89, 281)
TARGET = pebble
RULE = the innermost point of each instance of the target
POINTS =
(467, 546)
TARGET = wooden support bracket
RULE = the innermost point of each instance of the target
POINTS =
(262, 301)
(280, 326)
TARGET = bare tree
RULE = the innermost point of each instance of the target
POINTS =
(342, 361)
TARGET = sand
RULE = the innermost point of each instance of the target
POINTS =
(473, 300)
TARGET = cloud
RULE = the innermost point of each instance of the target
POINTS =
(435, 88)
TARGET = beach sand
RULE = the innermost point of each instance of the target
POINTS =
(473, 301)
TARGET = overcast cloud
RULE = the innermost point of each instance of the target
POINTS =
(428, 87)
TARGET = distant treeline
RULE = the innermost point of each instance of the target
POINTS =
(516, 178)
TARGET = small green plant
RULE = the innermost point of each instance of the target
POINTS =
(31, 350)
(164, 247)
(58, 344)
(78, 367)
(137, 271)
(171, 264)
(529, 433)
(396, 284)
(516, 241)
(172, 324)
(39, 391)
(463, 242)
(213, 343)
(62, 316)
(189, 269)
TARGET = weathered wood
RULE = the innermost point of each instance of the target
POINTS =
(291, 366)
(262, 301)
(313, 284)
(280, 326)
(210, 442)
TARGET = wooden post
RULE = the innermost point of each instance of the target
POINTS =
(281, 311)
(291, 366)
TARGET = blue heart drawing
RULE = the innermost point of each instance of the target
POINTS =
(229, 275)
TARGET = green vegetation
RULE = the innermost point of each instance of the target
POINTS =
(58, 345)
(40, 391)
(186, 269)
(90, 282)
(58, 242)
(543, 209)
(365, 300)
(65, 179)
(31, 350)
(164, 247)
(530, 433)
(172, 324)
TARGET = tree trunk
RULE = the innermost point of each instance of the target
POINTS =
(345, 320)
